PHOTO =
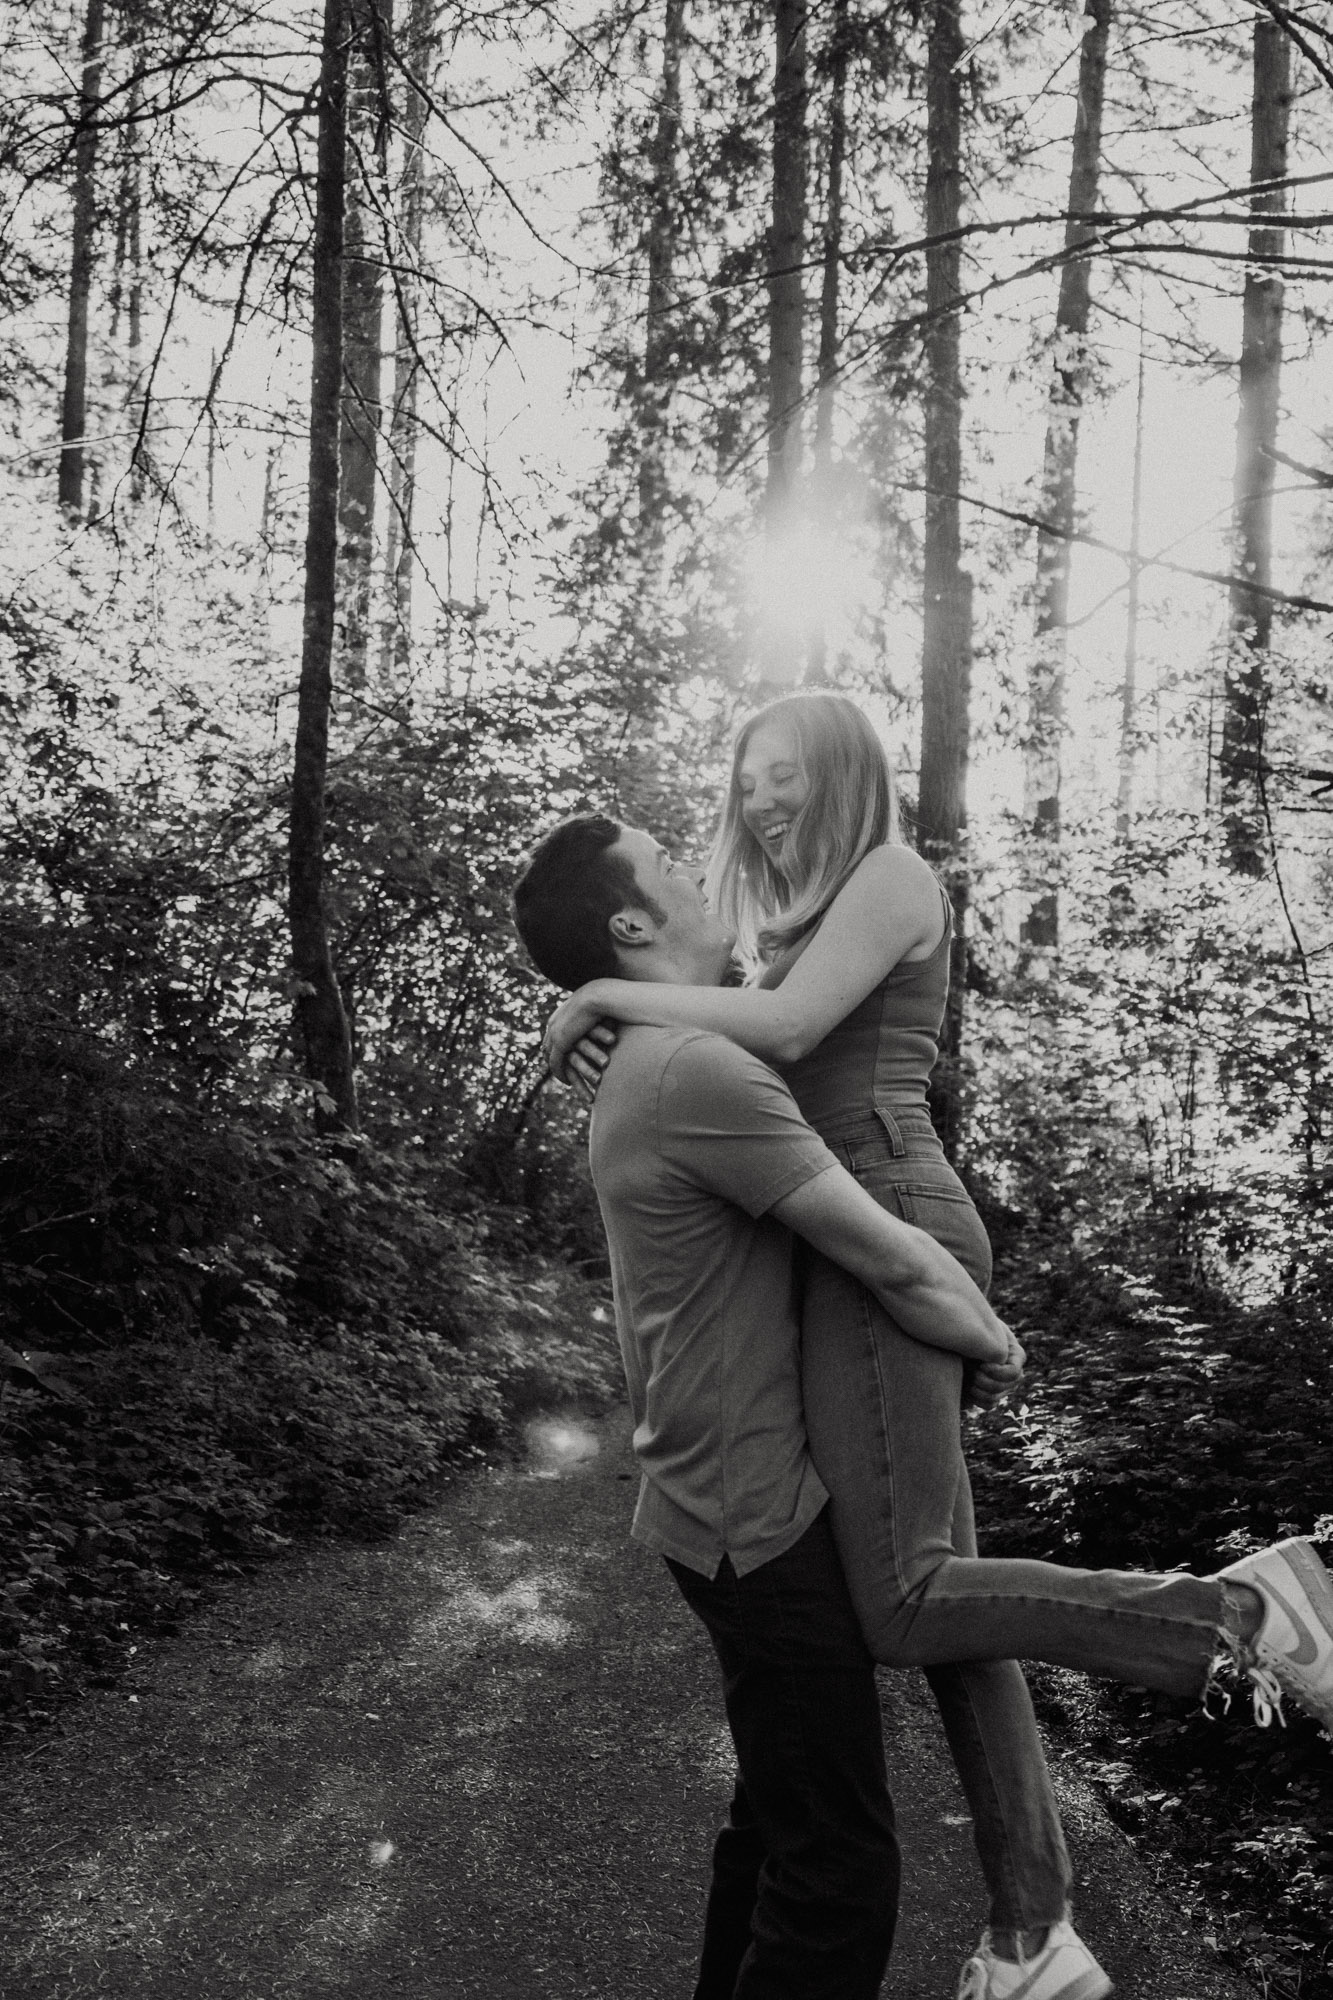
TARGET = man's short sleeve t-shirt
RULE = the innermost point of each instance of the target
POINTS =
(692, 1142)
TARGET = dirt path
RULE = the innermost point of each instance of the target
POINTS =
(481, 1761)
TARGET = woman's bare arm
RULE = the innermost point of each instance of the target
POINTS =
(889, 909)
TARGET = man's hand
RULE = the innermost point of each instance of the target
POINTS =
(992, 1381)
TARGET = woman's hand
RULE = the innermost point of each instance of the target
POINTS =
(588, 1057)
(991, 1381)
(573, 1021)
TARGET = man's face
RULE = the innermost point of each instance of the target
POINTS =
(691, 931)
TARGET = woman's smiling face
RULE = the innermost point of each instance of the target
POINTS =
(773, 786)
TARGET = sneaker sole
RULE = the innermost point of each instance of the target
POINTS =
(1090, 1985)
(1087, 1986)
(1313, 1578)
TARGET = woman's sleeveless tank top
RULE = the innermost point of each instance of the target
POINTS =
(882, 1053)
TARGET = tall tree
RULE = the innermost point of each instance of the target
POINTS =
(663, 223)
(786, 302)
(399, 552)
(126, 292)
(74, 406)
(1124, 805)
(132, 201)
(946, 650)
(1069, 372)
(827, 365)
(1246, 684)
(368, 120)
(838, 53)
(321, 1017)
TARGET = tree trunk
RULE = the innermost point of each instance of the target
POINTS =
(368, 119)
(74, 407)
(125, 292)
(134, 289)
(828, 305)
(400, 554)
(1246, 687)
(659, 337)
(321, 1020)
(1046, 680)
(211, 451)
(946, 653)
(828, 296)
(786, 310)
(1124, 805)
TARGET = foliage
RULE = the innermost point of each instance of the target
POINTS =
(1158, 1430)
(217, 1330)
(1148, 1152)
(1163, 1429)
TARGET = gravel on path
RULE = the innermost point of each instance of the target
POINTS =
(483, 1760)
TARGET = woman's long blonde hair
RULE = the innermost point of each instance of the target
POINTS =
(851, 807)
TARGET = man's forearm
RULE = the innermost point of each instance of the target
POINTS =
(915, 1279)
(941, 1306)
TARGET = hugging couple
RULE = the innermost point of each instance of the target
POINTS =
(799, 1282)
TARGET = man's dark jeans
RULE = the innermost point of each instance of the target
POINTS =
(804, 1895)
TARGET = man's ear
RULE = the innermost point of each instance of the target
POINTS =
(632, 929)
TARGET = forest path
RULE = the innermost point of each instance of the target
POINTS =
(483, 1760)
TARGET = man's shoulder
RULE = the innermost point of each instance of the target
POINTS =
(685, 1060)
(660, 1079)
(691, 1108)
(646, 1053)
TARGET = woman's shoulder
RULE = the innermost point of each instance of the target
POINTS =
(893, 883)
(893, 867)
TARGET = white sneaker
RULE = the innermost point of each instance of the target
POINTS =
(1292, 1652)
(1064, 1969)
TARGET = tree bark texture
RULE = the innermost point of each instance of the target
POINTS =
(1246, 687)
(125, 299)
(1068, 383)
(321, 1019)
(786, 250)
(369, 23)
(829, 297)
(946, 654)
(659, 337)
(782, 641)
(133, 198)
(832, 271)
(1124, 805)
(400, 555)
(74, 405)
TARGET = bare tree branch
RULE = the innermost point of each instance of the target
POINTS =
(1293, 600)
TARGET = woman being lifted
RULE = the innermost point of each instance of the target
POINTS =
(848, 933)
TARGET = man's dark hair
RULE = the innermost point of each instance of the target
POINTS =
(570, 888)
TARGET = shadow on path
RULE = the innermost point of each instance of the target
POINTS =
(483, 1760)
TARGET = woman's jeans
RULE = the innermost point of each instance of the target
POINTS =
(804, 1894)
(882, 1413)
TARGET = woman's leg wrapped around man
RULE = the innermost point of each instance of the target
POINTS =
(985, 1706)
(882, 1415)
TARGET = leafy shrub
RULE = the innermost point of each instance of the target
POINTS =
(217, 1330)
(1161, 1425)
(1156, 1430)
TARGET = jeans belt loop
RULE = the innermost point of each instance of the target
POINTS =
(890, 1124)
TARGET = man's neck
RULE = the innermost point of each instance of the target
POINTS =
(654, 969)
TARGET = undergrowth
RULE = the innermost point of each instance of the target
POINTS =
(217, 1332)
(1161, 1426)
